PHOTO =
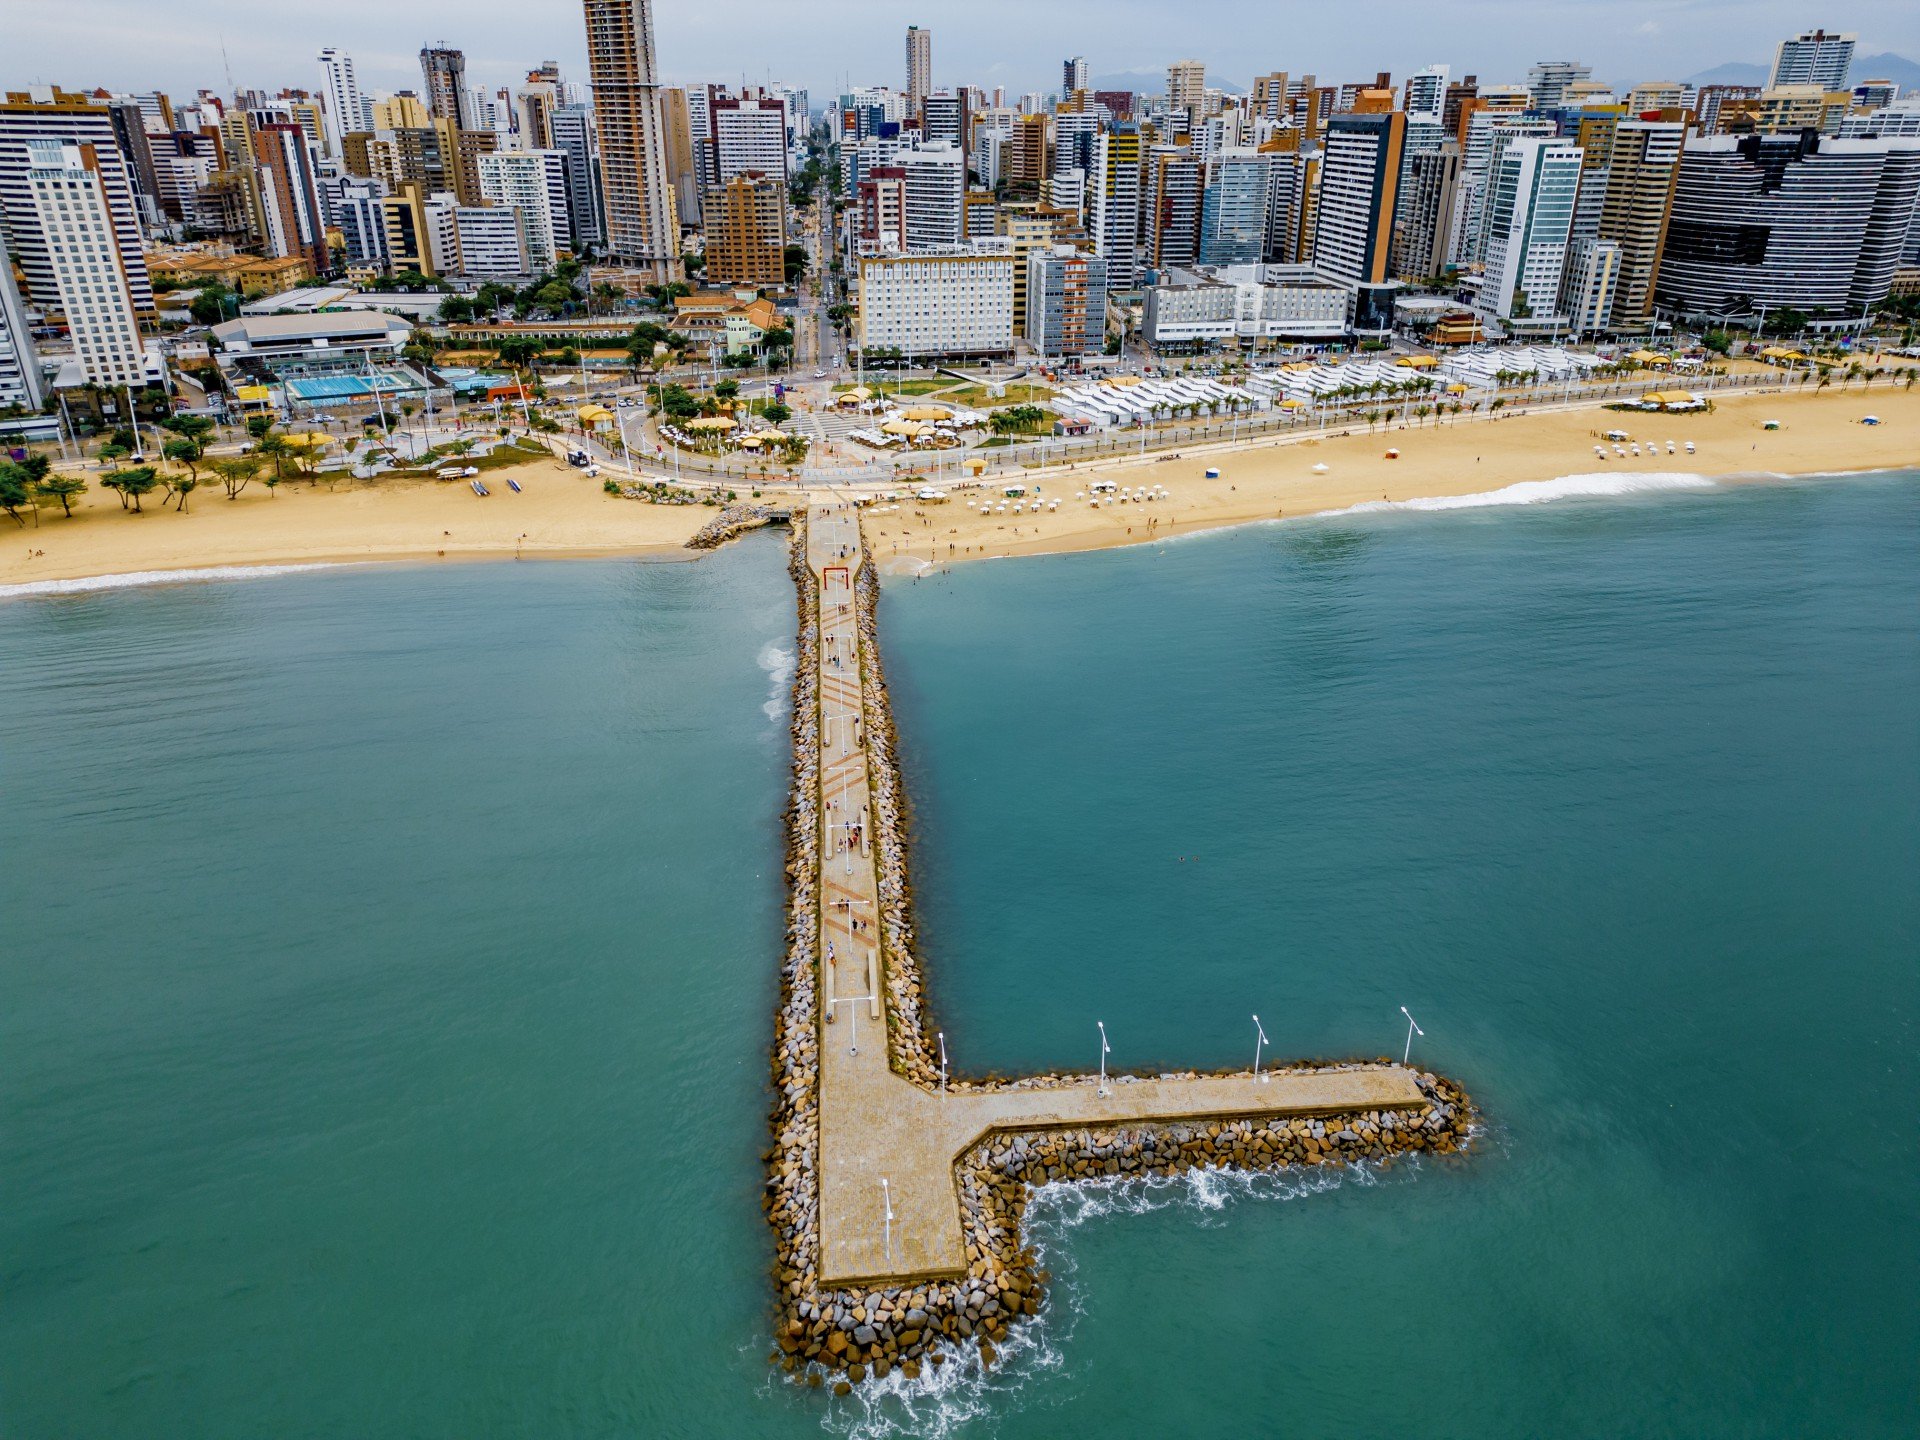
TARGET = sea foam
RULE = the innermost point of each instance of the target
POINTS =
(1598, 485)
(779, 665)
(949, 1400)
(89, 583)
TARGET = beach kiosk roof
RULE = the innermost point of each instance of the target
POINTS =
(308, 440)
(1418, 362)
(858, 395)
(711, 422)
(926, 412)
(1456, 388)
(591, 415)
(912, 429)
(752, 442)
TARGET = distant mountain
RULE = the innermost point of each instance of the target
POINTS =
(1897, 68)
(1733, 73)
(1884, 66)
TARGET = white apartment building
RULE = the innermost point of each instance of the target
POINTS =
(1426, 94)
(956, 303)
(70, 204)
(1530, 200)
(524, 180)
(495, 242)
(1813, 57)
(347, 109)
(936, 193)
(750, 135)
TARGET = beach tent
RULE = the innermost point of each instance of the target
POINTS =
(711, 422)
(926, 412)
(859, 395)
(1769, 424)
(307, 440)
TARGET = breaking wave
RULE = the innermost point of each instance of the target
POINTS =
(1539, 492)
(86, 584)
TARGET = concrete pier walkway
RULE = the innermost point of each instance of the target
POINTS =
(875, 1125)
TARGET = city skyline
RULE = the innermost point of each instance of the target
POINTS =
(757, 41)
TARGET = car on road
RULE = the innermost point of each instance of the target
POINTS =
(819, 374)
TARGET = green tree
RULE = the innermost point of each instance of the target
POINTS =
(777, 413)
(260, 426)
(14, 491)
(185, 452)
(210, 303)
(62, 488)
(456, 310)
(193, 427)
(274, 450)
(727, 389)
(518, 350)
(236, 471)
(183, 486)
(795, 258)
(1718, 341)
(130, 484)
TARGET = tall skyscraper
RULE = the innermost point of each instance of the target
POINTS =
(1642, 171)
(1073, 75)
(1187, 87)
(919, 66)
(69, 119)
(69, 197)
(573, 137)
(1548, 81)
(1813, 57)
(1359, 179)
(445, 71)
(519, 179)
(1118, 157)
(1426, 94)
(347, 109)
(1530, 198)
(1233, 215)
(746, 230)
(641, 228)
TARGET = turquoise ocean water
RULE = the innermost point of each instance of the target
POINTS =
(386, 964)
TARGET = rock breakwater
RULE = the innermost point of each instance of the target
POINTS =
(844, 1334)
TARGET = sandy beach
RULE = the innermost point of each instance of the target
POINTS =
(562, 513)
(1818, 434)
(558, 512)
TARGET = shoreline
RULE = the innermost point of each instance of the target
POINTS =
(561, 516)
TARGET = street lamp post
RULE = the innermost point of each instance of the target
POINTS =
(886, 1196)
(1260, 1038)
(1412, 1030)
(943, 1062)
(1104, 1048)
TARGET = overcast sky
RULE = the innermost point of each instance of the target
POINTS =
(146, 44)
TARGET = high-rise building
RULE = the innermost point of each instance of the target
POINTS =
(573, 137)
(1187, 87)
(445, 71)
(1074, 75)
(520, 179)
(943, 116)
(1423, 210)
(1233, 214)
(936, 191)
(1549, 80)
(21, 385)
(749, 135)
(745, 230)
(919, 66)
(1813, 57)
(1359, 181)
(1114, 206)
(290, 222)
(69, 120)
(641, 228)
(881, 207)
(1642, 171)
(1028, 228)
(1868, 95)
(68, 194)
(1426, 94)
(1175, 183)
(1066, 301)
(1777, 221)
(1531, 191)
(347, 109)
